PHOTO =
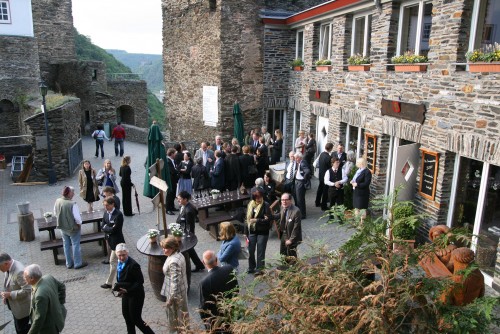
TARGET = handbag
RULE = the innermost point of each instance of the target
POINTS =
(243, 255)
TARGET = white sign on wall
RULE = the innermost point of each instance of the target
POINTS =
(210, 105)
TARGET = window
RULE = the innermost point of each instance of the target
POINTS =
(325, 41)
(485, 21)
(415, 24)
(4, 11)
(361, 30)
(299, 45)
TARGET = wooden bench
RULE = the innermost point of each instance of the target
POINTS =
(211, 224)
(54, 245)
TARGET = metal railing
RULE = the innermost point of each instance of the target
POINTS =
(123, 76)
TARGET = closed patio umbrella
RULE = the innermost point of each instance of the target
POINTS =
(239, 132)
(156, 150)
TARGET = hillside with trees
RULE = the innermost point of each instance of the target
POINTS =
(86, 50)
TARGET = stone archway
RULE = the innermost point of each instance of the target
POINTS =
(9, 114)
(125, 114)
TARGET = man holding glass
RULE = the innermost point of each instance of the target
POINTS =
(186, 219)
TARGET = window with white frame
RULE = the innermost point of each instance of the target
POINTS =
(299, 44)
(361, 30)
(415, 24)
(4, 11)
(485, 24)
(325, 41)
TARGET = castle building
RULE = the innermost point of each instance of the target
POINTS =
(37, 44)
(434, 131)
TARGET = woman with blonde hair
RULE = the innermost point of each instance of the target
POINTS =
(106, 176)
(175, 285)
(361, 187)
(276, 147)
(230, 247)
(126, 183)
(89, 190)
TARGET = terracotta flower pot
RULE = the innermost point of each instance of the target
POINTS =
(410, 68)
(323, 68)
(484, 67)
(359, 68)
(298, 68)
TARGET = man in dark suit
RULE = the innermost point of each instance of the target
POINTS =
(220, 280)
(290, 228)
(187, 219)
(302, 178)
(48, 313)
(218, 145)
(174, 178)
(323, 165)
(217, 173)
(340, 154)
(112, 224)
(255, 142)
(16, 294)
(232, 169)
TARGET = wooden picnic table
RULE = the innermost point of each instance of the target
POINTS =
(228, 200)
(54, 244)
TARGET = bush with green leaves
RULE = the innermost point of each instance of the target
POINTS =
(323, 62)
(489, 53)
(409, 58)
(358, 59)
(298, 62)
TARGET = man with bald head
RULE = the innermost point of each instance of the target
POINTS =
(206, 154)
(218, 282)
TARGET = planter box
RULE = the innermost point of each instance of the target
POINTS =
(410, 68)
(484, 67)
(323, 68)
(359, 68)
(298, 68)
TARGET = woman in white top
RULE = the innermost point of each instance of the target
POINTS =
(301, 142)
(99, 135)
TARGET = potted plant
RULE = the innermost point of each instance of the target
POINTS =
(323, 65)
(409, 62)
(404, 226)
(297, 64)
(486, 59)
(176, 231)
(358, 62)
(215, 193)
(48, 216)
(153, 235)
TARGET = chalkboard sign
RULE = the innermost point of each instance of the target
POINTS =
(428, 175)
(371, 151)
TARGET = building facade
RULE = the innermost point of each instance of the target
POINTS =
(434, 131)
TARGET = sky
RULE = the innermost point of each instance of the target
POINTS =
(130, 25)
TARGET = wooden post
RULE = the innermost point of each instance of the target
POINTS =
(26, 227)
(162, 202)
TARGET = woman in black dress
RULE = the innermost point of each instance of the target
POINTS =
(126, 183)
(248, 174)
(262, 161)
(310, 150)
(89, 190)
(276, 147)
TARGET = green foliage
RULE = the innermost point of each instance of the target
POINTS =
(489, 53)
(297, 62)
(85, 50)
(405, 223)
(53, 101)
(323, 62)
(409, 58)
(156, 110)
(358, 59)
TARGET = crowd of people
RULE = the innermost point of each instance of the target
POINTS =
(221, 166)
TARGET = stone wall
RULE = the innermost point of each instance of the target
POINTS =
(64, 131)
(53, 27)
(462, 108)
(131, 93)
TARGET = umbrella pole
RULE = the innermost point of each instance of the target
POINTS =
(164, 215)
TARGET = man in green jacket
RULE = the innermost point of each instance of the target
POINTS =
(47, 302)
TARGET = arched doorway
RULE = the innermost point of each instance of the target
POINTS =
(125, 114)
(9, 126)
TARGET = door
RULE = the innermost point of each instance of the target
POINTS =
(321, 136)
(404, 170)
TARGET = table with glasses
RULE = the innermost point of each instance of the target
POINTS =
(156, 258)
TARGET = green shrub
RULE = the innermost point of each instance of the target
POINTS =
(409, 58)
(487, 54)
(358, 59)
(297, 62)
(323, 62)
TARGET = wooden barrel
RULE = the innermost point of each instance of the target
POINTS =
(156, 276)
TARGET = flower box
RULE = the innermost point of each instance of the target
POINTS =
(410, 67)
(484, 67)
(298, 68)
(359, 68)
(323, 68)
